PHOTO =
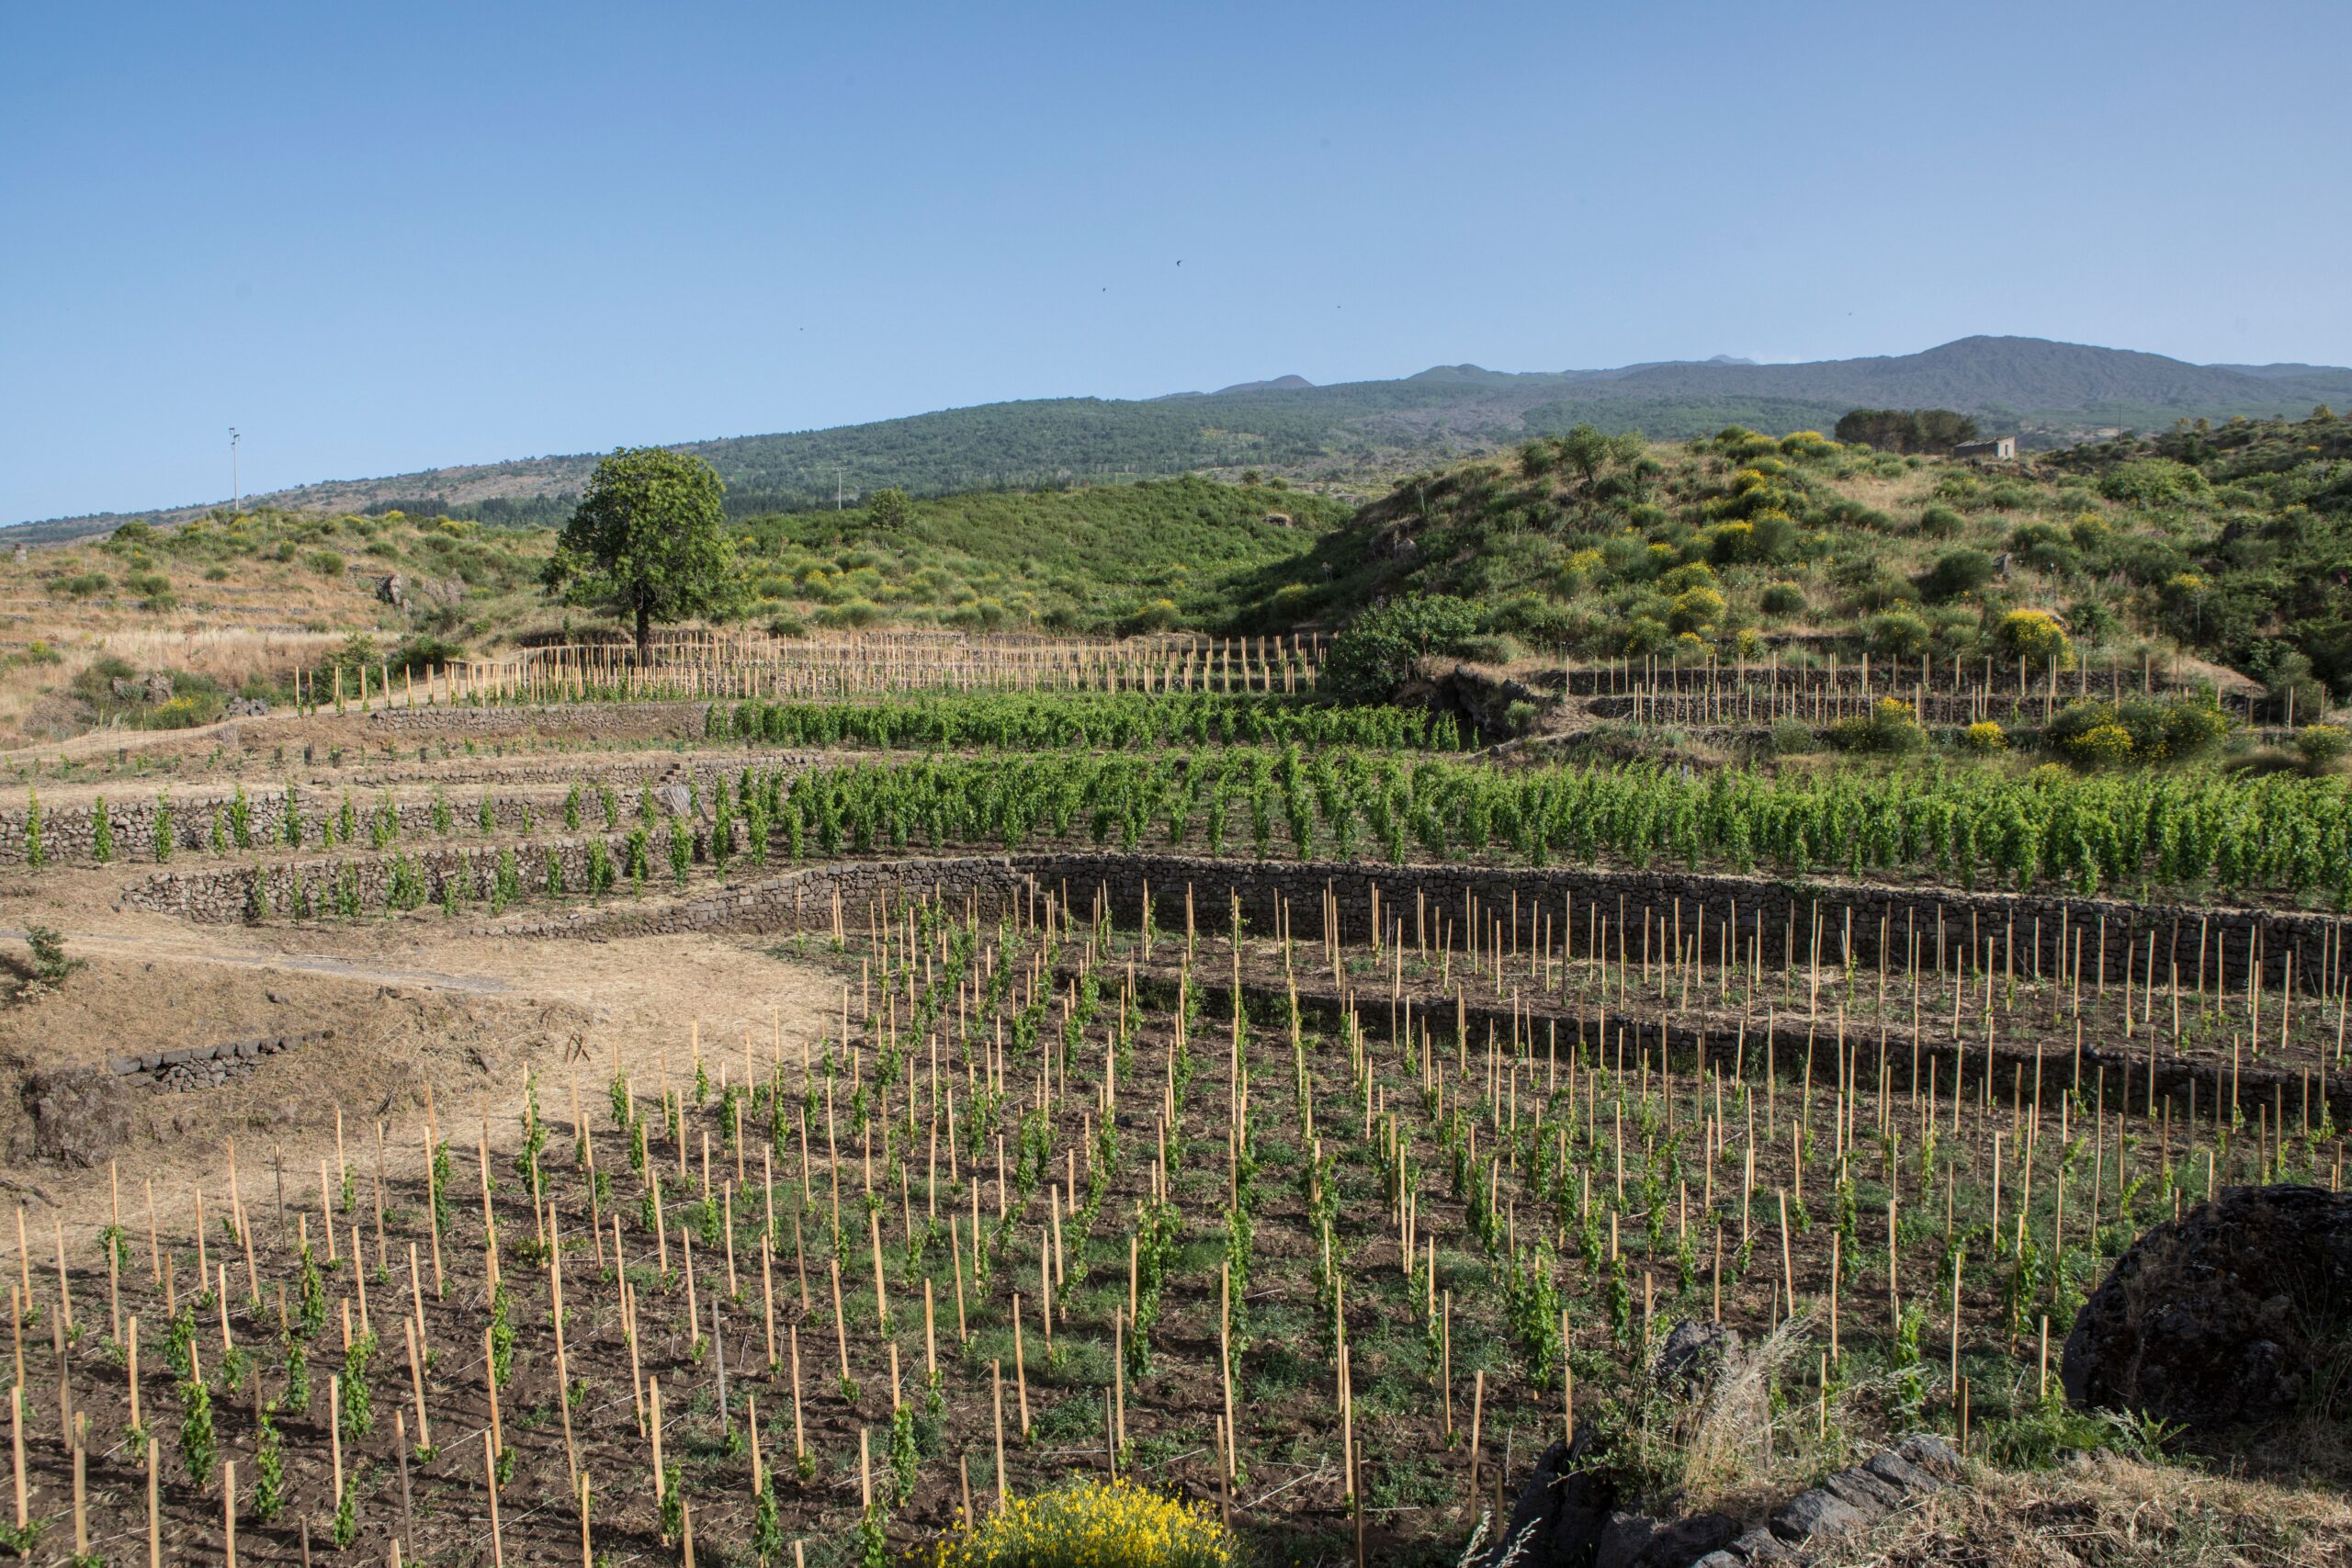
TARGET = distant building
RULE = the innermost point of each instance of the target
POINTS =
(2001, 448)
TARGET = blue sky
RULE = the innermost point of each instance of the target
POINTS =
(382, 238)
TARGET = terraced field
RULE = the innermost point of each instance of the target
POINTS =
(798, 1127)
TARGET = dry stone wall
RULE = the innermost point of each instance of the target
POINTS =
(804, 900)
(205, 1066)
(2113, 937)
(599, 721)
(1779, 913)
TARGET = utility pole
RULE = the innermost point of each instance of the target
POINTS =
(234, 491)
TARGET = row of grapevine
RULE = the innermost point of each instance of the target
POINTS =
(2278, 834)
(1108, 719)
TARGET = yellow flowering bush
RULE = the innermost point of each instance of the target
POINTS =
(1092, 1524)
(2101, 746)
(1696, 608)
(1890, 725)
(1985, 736)
(2036, 636)
(1730, 541)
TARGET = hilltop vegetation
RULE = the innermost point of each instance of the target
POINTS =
(1146, 557)
(2229, 541)
(2233, 541)
(2269, 583)
(1364, 433)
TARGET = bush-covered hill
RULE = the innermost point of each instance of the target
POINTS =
(1158, 553)
(2234, 541)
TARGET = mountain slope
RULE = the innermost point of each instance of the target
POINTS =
(1365, 431)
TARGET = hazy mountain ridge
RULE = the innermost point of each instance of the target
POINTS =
(2055, 391)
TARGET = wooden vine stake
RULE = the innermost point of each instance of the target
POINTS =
(490, 1481)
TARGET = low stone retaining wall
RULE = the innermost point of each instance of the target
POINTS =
(1779, 913)
(1782, 917)
(603, 721)
(804, 900)
(206, 1066)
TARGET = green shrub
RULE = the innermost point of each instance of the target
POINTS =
(1897, 632)
(1647, 635)
(1890, 727)
(1491, 648)
(2152, 481)
(424, 653)
(1984, 737)
(2097, 733)
(1793, 738)
(2322, 744)
(850, 612)
(326, 563)
(185, 711)
(1939, 523)
(1782, 599)
(1156, 616)
(1375, 653)
(1957, 573)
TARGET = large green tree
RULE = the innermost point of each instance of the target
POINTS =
(647, 541)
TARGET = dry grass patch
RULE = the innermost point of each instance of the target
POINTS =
(2110, 1512)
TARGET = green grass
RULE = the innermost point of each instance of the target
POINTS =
(1188, 552)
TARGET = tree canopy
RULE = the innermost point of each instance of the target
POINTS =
(1907, 430)
(1377, 652)
(648, 540)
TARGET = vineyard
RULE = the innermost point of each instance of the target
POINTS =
(2279, 835)
(1258, 1106)
(1109, 722)
(1055, 1201)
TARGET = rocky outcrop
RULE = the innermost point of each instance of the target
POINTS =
(81, 1115)
(1569, 1517)
(1484, 698)
(2224, 1318)
(1574, 1513)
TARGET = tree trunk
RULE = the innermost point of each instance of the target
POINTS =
(644, 633)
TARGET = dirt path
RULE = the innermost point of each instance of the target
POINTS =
(418, 1011)
(147, 946)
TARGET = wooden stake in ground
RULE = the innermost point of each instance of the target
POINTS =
(154, 1506)
(996, 1377)
(81, 1510)
(490, 1481)
(1478, 1409)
